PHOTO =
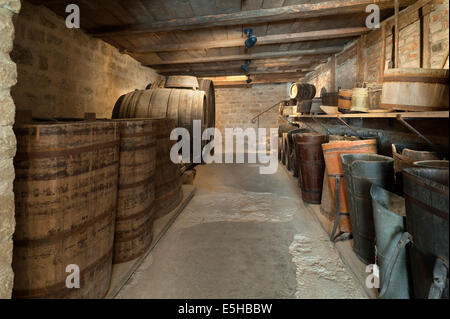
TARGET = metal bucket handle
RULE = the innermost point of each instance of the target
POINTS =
(337, 214)
(440, 270)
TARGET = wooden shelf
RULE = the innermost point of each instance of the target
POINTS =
(405, 115)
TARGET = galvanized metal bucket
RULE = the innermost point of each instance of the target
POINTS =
(390, 223)
(360, 172)
(426, 192)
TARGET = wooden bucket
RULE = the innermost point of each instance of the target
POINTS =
(65, 195)
(415, 89)
(405, 158)
(182, 82)
(332, 152)
(134, 221)
(168, 191)
(311, 165)
(360, 100)
(345, 99)
(207, 86)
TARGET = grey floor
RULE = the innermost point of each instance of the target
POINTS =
(243, 235)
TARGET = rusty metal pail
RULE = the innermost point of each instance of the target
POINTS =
(360, 172)
(390, 223)
(426, 192)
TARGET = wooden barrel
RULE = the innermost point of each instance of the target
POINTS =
(207, 86)
(330, 98)
(302, 91)
(184, 106)
(312, 165)
(134, 220)
(182, 82)
(168, 192)
(345, 99)
(332, 152)
(65, 195)
(415, 89)
(404, 157)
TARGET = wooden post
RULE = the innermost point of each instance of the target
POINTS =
(333, 73)
(424, 39)
(383, 52)
(396, 33)
(360, 61)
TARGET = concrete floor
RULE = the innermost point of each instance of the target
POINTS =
(243, 235)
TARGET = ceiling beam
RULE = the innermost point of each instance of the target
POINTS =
(254, 56)
(240, 72)
(299, 11)
(262, 40)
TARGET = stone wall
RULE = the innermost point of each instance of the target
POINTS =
(235, 107)
(64, 72)
(8, 77)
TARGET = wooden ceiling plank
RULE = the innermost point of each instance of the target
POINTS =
(305, 10)
(264, 55)
(264, 40)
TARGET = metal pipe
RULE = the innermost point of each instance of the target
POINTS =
(351, 128)
(412, 129)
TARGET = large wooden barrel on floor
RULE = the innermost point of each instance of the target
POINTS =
(207, 86)
(312, 165)
(136, 194)
(168, 192)
(65, 195)
(182, 82)
(184, 106)
(332, 152)
(414, 89)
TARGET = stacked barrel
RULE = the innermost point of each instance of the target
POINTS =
(87, 193)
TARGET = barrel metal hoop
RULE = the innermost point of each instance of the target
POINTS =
(137, 184)
(140, 134)
(48, 291)
(428, 208)
(347, 98)
(65, 152)
(64, 234)
(138, 214)
(421, 79)
(144, 229)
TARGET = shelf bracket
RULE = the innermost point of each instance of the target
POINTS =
(351, 128)
(412, 129)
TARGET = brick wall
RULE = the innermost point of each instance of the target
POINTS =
(235, 107)
(64, 72)
(409, 51)
(8, 78)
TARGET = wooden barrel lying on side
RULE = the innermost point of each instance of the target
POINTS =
(184, 106)
(182, 82)
(134, 221)
(168, 192)
(302, 91)
(208, 87)
(65, 198)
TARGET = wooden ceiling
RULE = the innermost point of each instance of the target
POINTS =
(205, 37)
